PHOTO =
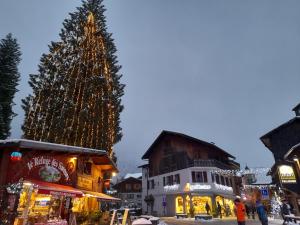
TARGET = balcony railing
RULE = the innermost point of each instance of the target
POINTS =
(210, 163)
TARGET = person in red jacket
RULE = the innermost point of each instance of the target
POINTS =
(240, 212)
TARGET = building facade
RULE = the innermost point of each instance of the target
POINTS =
(42, 181)
(184, 173)
(283, 142)
(129, 191)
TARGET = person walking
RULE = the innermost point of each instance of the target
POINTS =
(253, 210)
(219, 209)
(240, 212)
(207, 207)
(247, 210)
(285, 210)
(261, 212)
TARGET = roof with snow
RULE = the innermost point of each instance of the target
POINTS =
(25, 143)
(165, 132)
(100, 156)
(134, 175)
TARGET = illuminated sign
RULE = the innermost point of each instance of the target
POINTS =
(173, 187)
(286, 174)
(223, 187)
(199, 187)
(49, 169)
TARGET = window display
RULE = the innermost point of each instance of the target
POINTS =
(199, 203)
(179, 205)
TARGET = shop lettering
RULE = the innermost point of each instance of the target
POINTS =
(41, 161)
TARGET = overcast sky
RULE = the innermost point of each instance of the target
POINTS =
(221, 71)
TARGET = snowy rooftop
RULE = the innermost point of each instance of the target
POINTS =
(24, 143)
(262, 178)
(134, 175)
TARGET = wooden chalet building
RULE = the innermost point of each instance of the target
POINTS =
(129, 191)
(183, 172)
(284, 142)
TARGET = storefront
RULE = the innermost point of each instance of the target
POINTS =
(227, 205)
(49, 183)
(43, 202)
(183, 204)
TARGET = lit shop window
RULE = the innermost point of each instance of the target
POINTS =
(179, 204)
(199, 203)
(187, 204)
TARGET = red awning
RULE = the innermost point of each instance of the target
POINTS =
(56, 189)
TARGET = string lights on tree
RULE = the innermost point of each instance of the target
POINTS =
(77, 93)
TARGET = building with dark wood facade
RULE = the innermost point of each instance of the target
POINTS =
(181, 175)
(284, 142)
(129, 191)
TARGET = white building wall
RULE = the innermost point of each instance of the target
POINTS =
(186, 186)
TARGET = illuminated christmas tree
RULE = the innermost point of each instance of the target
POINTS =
(77, 92)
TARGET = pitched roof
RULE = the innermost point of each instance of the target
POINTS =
(47, 146)
(297, 106)
(125, 180)
(267, 135)
(165, 132)
(25, 143)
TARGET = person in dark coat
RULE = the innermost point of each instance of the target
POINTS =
(253, 211)
(219, 209)
(207, 207)
(247, 210)
(285, 210)
(261, 212)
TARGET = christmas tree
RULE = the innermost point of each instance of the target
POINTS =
(275, 206)
(10, 57)
(77, 92)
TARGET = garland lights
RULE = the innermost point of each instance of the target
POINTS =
(239, 173)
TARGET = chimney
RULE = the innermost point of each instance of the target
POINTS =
(297, 110)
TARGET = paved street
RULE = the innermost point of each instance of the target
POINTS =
(173, 221)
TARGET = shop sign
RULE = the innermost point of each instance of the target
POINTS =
(223, 187)
(173, 187)
(49, 169)
(199, 187)
(286, 174)
(84, 183)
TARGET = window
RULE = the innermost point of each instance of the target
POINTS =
(152, 184)
(222, 180)
(179, 204)
(164, 181)
(128, 187)
(204, 176)
(139, 196)
(136, 186)
(130, 196)
(177, 179)
(217, 179)
(213, 177)
(169, 180)
(227, 181)
(87, 169)
(199, 177)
